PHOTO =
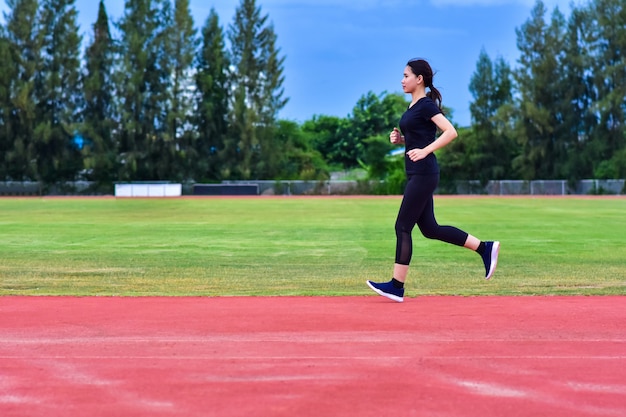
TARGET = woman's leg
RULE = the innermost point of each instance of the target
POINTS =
(431, 229)
(472, 243)
(417, 193)
(400, 272)
(418, 208)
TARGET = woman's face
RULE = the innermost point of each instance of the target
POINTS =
(409, 80)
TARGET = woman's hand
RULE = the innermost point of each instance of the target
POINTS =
(417, 154)
(395, 137)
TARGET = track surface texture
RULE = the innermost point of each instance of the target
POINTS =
(313, 356)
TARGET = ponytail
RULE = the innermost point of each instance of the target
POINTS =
(435, 96)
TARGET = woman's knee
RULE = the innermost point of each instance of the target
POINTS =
(403, 227)
(430, 231)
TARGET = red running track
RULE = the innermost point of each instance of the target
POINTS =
(313, 356)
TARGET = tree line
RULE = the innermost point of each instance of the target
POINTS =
(149, 99)
(152, 98)
(560, 112)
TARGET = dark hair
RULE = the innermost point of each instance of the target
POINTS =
(422, 67)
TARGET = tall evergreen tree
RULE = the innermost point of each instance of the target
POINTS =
(271, 101)
(143, 84)
(58, 92)
(212, 83)
(491, 147)
(24, 48)
(181, 50)
(7, 74)
(257, 85)
(540, 90)
(609, 52)
(578, 118)
(100, 152)
(164, 148)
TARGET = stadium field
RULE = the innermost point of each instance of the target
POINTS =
(303, 246)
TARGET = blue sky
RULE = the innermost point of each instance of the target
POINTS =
(338, 50)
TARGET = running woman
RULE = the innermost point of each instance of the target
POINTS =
(418, 129)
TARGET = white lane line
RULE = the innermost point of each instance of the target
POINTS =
(215, 357)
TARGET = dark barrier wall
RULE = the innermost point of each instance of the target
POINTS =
(225, 189)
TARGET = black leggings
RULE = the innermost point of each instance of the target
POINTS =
(417, 208)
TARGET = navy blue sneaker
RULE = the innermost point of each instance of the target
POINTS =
(386, 289)
(490, 258)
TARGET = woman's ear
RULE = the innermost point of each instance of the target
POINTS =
(420, 78)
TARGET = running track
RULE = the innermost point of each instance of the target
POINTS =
(313, 356)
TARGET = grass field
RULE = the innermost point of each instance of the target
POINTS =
(303, 246)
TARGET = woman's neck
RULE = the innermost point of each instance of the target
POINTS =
(417, 96)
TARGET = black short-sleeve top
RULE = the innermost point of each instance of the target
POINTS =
(419, 131)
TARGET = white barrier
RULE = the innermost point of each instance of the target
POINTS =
(148, 190)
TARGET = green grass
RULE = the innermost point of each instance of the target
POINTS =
(303, 246)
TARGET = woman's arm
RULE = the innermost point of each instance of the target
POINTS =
(448, 134)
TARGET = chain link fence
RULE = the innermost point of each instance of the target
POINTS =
(337, 187)
(504, 187)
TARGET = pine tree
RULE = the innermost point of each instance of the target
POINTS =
(6, 109)
(58, 93)
(271, 101)
(143, 84)
(539, 83)
(24, 49)
(578, 119)
(257, 85)
(100, 152)
(164, 149)
(212, 83)
(182, 48)
(608, 46)
(506, 146)
(491, 149)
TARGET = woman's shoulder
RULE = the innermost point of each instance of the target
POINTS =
(429, 106)
(427, 102)
(425, 108)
